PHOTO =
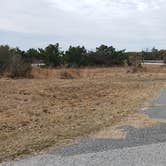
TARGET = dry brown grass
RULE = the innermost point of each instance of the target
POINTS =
(48, 111)
(69, 73)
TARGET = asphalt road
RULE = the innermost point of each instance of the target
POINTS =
(141, 147)
(151, 155)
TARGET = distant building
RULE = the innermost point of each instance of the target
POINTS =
(38, 64)
(153, 62)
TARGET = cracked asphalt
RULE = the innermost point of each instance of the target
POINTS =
(141, 147)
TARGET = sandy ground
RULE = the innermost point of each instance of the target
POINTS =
(47, 111)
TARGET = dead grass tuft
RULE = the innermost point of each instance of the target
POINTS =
(69, 73)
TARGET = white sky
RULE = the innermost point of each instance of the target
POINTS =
(130, 24)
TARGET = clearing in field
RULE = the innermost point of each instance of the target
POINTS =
(49, 111)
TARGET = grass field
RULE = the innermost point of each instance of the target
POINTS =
(47, 111)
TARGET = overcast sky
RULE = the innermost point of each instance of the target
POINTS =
(130, 24)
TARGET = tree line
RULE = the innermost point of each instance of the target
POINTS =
(154, 54)
(78, 56)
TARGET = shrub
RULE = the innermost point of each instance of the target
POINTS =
(18, 68)
(75, 56)
(107, 56)
(135, 59)
(4, 58)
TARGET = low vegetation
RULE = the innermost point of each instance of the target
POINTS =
(17, 63)
(18, 68)
(77, 92)
(12, 64)
(36, 114)
(78, 56)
